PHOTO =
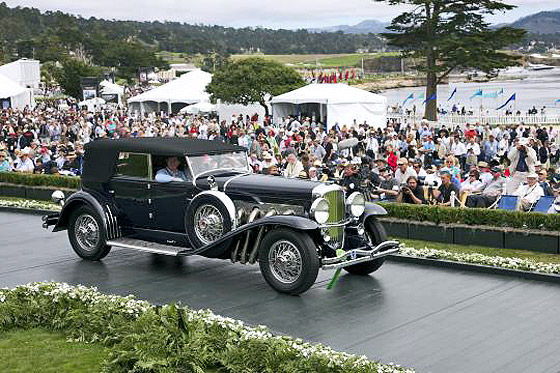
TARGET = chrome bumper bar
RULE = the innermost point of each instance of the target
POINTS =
(361, 255)
(50, 219)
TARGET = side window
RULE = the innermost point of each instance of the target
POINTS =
(134, 165)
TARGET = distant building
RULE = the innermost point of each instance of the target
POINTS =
(26, 73)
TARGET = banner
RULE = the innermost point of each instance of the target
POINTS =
(410, 97)
(490, 95)
(432, 97)
(512, 98)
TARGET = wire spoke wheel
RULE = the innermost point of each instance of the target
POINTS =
(86, 231)
(208, 224)
(285, 262)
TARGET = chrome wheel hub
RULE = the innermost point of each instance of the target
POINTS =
(86, 231)
(285, 262)
(208, 224)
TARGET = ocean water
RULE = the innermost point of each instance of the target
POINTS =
(540, 88)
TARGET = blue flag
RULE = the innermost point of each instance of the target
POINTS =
(432, 97)
(452, 94)
(512, 98)
(477, 93)
(410, 97)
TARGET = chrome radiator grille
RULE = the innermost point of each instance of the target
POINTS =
(337, 214)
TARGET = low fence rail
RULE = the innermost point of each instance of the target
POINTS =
(496, 120)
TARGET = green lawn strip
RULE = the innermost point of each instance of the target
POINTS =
(489, 251)
(39, 350)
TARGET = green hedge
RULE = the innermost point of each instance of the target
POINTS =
(472, 216)
(40, 180)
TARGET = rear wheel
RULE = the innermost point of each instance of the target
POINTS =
(376, 233)
(87, 234)
(288, 261)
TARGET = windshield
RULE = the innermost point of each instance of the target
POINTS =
(234, 161)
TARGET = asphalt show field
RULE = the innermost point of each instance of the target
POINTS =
(431, 319)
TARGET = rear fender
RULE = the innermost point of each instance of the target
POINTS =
(100, 204)
(373, 209)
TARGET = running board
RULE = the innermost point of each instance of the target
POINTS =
(149, 247)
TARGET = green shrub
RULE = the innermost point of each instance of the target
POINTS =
(70, 182)
(472, 216)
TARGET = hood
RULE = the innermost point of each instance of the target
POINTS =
(268, 189)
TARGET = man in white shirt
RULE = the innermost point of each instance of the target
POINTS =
(529, 193)
(293, 168)
(403, 171)
(25, 164)
(474, 146)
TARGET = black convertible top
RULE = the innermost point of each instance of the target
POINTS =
(163, 146)
(100, 155)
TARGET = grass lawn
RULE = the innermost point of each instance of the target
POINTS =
(326, 60)
(490, 251)
(38, 350)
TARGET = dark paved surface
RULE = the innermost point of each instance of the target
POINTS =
(432, 319)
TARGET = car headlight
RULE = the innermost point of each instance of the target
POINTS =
(356, 204)
(320, 210)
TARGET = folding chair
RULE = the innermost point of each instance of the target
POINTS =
(543, 204)
(507, 202)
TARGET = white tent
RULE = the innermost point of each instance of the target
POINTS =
(14, 95)
(188, 89)
(109, 91)
(26, 73)
(339, 103)
(201, 107)
(93, 104)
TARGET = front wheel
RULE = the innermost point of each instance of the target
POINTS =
(288, 260)
(377, 235)
(87, 234)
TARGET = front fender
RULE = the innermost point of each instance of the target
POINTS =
(373, 209)
(290, 221)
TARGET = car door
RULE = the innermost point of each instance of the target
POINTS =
(130, 187)
(170, 201)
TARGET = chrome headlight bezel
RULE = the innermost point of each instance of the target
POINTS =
(320, 210)
(356, 204)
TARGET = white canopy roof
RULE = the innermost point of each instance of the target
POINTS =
(329, 94)
(201, 107)
(340, 103)
(190, 88)
(18, 95)
(109, 88)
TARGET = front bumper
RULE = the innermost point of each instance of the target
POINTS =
(50, 219)
(361, 255)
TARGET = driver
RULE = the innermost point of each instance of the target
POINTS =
(171, 172)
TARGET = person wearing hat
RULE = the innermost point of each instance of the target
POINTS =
(5, 165)
(529, 193)
(522, 162)
(404, 171)
(25, 164)
(268, 160)
(485, 174)
(432, 178)
(388, 188)
(491, 191)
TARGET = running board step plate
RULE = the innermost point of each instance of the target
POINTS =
(149, 247)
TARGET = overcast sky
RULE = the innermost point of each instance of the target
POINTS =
(237, 13)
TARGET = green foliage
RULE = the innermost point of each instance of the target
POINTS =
(40, 180)
(451, 34)
(19, 353)
(69, 76)
(471, 216)
(249, 80)
(144, 338)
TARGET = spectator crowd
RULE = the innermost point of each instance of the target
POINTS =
(420, 163)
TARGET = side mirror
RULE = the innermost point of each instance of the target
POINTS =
(58, 197)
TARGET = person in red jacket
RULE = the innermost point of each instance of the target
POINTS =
(391, 157)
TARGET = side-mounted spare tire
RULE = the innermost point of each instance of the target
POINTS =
(207, 219)
(376, 232)
(87, 233)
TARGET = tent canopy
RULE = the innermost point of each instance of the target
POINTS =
(19, 96)
(188, 89)
(109, 88)
(340, 103)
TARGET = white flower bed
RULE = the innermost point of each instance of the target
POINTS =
(62, 295)
(475, 258)
(29, 204)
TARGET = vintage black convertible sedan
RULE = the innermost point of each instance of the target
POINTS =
(187, 197)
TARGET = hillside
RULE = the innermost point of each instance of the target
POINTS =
(364, 27)
(540, 23)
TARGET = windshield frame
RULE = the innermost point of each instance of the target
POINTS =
(190, 159)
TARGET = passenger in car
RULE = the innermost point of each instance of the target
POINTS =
(171, 172)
